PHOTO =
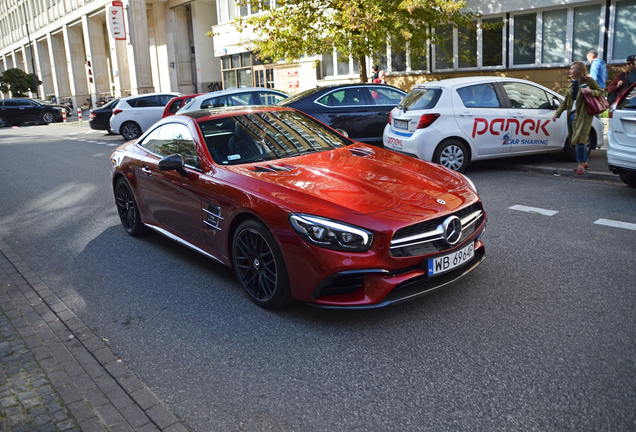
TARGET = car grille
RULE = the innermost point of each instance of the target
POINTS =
(428, 237)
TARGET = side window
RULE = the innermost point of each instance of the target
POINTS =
(526, 96)
(150, 141)
(268, 98)
(176, 138)
(241, 99)
(479, 96)
(175, 106)
(348, 97)
(144, 102)
(164, 99)
(11, 103)
(217, 102)
(385, 96)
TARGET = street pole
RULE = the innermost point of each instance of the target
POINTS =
(26, 23)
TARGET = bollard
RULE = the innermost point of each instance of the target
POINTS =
(64, 115)
(79, 114)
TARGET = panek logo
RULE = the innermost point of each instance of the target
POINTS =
(500, 126)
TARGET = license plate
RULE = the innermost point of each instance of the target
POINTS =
(451, 261)
(401, 124)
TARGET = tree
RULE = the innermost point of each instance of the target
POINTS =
(18, 82)
(355, 28)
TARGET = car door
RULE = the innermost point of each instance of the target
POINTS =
(348, 109)
(173, 199)
(383, 99)
(11, 110)
(531, 111)
(30, 111)
(146, 111)
(482, 117)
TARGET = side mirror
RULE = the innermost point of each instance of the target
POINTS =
(555, 103)
(173, 162)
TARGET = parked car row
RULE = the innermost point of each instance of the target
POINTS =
(24, 110)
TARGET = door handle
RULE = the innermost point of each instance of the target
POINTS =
(518, 115)
(466, 114)
(146, 170)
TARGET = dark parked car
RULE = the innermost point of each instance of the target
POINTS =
(99, 118)
(24, 110)
(360, 110)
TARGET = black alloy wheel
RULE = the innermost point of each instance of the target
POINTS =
(452, 154)
(130, 130)
(259, 265)
(4, 122)
(47, 117)
(127, 208)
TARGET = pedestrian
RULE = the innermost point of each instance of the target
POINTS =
(579, 128)
(374, 74)
(598, 69)
(381, 79)
(620, 82)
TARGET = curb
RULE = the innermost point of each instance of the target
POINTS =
(98, 390)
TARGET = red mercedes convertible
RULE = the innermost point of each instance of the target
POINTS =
(298, 210)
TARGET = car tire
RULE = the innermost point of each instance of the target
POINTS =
(127, 209)
(452, 154)
(130, 130)
(47, 117)
(629, 178)
(259, 265)
(4, 122)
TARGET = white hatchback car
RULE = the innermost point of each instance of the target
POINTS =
(621, 137)
(235, 97)
(456, 121)
(135, 114)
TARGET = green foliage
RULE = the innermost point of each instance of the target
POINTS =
(355, 28)
(18, 82)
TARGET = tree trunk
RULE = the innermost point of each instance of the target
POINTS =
(362, 62)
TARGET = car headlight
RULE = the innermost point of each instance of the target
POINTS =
(331, 234)
(470, 182)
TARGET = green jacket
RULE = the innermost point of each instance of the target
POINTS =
(579, 130)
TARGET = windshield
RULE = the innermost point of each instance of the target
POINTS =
(266, 136)
(420, 99)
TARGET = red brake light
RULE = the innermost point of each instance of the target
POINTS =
(117, 111)
(390, 117)
(426, 120)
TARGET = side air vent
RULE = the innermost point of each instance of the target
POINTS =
(359, 151)
(272, 168)
(213, 217)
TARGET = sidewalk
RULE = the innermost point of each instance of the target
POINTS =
(56, 374)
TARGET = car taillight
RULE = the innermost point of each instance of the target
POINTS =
(426, 120)
(117, 111)
(390, 117)
(91, 116)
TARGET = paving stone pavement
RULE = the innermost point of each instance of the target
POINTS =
(56, 374)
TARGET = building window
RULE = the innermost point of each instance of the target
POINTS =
(492, 44)
(334, 65)
(444, 47)
(555, 30)
(524, 39)
(587, 28)
(237, 70)
(467, 46)
(624, 30)
(398, 55)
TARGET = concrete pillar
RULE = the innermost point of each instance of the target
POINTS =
(139, 48)
(59, 66)
(44, 66)
(3, 67)
(157, 37)
(76, 61)
(208, 67)
(183, 45)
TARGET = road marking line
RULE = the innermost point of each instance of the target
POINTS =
(533, 210)
(616, 224)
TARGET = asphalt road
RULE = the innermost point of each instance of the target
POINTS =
(542, 336)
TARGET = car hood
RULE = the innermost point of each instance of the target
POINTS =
(358, 178)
